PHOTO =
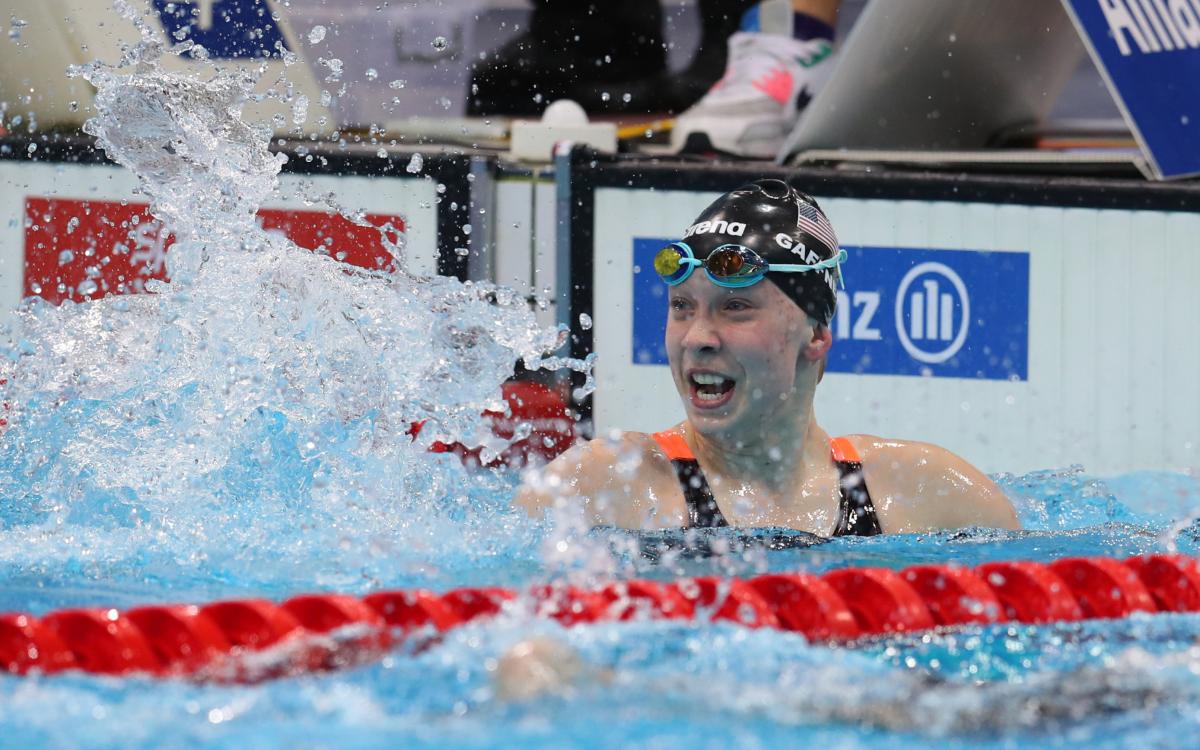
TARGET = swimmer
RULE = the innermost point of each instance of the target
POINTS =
(906, 701)
(541, 666)
(921, 702)
(752, 288)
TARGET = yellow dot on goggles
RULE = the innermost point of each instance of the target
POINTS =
(667, 261)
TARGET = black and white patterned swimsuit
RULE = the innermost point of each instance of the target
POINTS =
(856, 513)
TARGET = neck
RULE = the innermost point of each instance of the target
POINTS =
(775, 455)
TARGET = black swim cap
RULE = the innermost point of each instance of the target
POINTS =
(782, 225)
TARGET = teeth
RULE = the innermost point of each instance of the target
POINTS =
(704, 378)
(709, 396)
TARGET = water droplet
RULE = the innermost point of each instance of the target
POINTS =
(399, 83)
(415, 164)
(381, 153)
(585, 321)
(605, 96)
(316, 35)
(335, 68)
(15, 26)
(299, 110)
(372, 74)
(440, 43)
(65, 257)
(462, 252)
(31, 148)
(627, 97)
(466, 228)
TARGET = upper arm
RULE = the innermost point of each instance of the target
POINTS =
(920, 486)
(984, 503)
(606, 479)
(566, 477)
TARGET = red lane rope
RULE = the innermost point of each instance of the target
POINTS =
(325, 631)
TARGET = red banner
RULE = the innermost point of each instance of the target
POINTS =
(87, 249)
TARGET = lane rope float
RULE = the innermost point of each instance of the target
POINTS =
(247, 640)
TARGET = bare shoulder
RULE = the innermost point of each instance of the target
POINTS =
(613, 479)
(918, 486)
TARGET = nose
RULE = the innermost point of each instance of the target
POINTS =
(701, 334)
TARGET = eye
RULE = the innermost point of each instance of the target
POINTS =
(738, 305)
(678, 303)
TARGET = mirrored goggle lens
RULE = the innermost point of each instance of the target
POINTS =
(669, 263)
(734, 263)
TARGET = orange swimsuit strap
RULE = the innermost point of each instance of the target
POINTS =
(676, 448)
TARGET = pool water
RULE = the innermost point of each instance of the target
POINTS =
(1124, 683)
(243, 431)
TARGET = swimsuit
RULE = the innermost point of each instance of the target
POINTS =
(856, 513)
(691, 544)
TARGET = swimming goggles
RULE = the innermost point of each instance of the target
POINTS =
(731, 266)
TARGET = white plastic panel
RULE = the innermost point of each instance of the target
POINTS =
(525, 232)
(61, 33)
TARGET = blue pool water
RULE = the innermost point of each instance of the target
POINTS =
(650, 683)
(242, 431)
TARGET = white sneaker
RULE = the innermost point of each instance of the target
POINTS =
(750, 111)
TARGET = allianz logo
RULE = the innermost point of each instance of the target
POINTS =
(931, 316)
(1157, 27)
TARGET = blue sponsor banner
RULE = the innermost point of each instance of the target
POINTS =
(1151, 53)
(905, 311)
(232, 30)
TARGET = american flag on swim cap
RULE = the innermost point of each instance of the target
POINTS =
(813, 222)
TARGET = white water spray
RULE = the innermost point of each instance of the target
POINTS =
(257, 407)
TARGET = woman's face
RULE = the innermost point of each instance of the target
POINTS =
(735, 353)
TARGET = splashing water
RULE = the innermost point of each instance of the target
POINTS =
(253, 414)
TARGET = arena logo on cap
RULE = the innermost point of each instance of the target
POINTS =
(732, 228)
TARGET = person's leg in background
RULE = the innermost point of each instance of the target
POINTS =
(776, 63)
(570, 47)
(673, 91)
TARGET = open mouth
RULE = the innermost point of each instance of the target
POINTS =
(709, 389)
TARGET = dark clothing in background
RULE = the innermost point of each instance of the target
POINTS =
(608, 56)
